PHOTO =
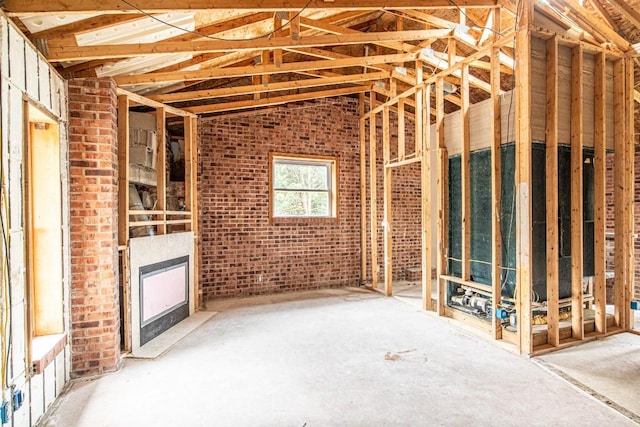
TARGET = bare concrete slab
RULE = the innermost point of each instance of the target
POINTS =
(329, 358)
(608, 368)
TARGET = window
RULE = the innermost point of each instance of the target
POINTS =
(303, 186)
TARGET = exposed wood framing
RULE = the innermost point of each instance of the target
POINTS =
(266, 102)
(123, 170)
(466, 174)
(523, 177)
(373, 198)
(387, 197)
(363, 192)
(551, 185)
(443, 191)
(620, 220)
(629, 174)
(161, 167)
(63, 53)
(401, 130)
(43, 7)
(218, 73)
(424, 135)
(193, 160)
(496, 191)
(577, 198)
(269, 87)
(189, 178)
(599, 178)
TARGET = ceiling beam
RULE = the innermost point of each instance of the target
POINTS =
(74, 53)
(287, 67)
(265, 102)
(269, 87)
(626, 11)
(85, 26)
(41, 7)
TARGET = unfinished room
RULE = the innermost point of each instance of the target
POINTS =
(319, 212)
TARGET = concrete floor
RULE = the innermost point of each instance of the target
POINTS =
(344, 357)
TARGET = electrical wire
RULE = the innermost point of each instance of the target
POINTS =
(6, 286)
(186, 31)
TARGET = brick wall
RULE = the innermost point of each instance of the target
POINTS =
(239, 245)
(610, 246)
(95, 329)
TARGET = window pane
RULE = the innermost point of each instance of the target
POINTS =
(301, 176)
(301, 203)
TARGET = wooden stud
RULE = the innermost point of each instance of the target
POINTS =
(496, 191)
(161, 167)
(600, 167)
(294, 24)
(523, 176)
(629, 122)
(577, 198)
(419, 110)
(193, 159)
(387, 200)
(189, 183)
(277, 32)
(123, 170)
(363, 192)
(620, 222)
(373, 199)
(465, 174)
(551, 174)
(401, 130)
(443, 195)
(425, 193)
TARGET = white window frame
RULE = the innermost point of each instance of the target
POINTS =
(331, 163)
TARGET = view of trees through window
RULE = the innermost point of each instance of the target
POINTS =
(301, 188)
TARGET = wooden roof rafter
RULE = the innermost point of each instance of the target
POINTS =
(41, 7)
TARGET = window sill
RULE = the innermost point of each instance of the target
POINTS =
(44, 350)
(303, 220)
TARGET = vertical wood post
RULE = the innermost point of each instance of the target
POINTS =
(465, 165)
(620, 183)
(496, 191)
(161, 169)
(363, 193)
(443, 191)
(425, 193)
(523, 176)
(599, 178)
(123, 170)
(551, 187)
(387, 198)
(577, 197)
(373, 199)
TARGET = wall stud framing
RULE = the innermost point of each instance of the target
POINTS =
(496, 191)
(363, 192)
(387, 198)
(425, 186)
(123, 170)
(600, 167)
(551, 174)
(577, 204)
(629, 189)
(161, 168)
(443, 191)
(401, 133)
(373, 199)
(523, 176)
(620, 221)
(466, 174)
